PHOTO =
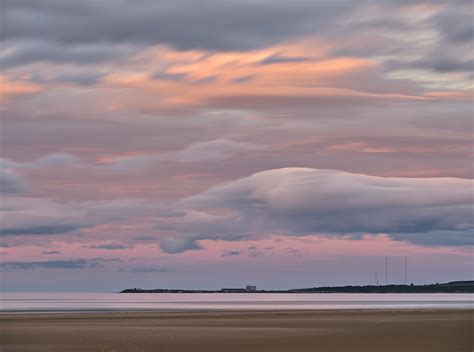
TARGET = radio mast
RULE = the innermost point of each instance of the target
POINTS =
(406, 270)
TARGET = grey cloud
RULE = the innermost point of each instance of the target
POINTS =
(11, 182)
(205, 80)
(79, 78)
(178, 245)
(301, 201)
(39, 230)
(6, 245)
(255, 254)
(456, 24)
(110, 246)
(293, 251)
(276, 59)
(243, 79)
(437, 62)
(229, 253)
(55, 160)
(214, 150)
(445, 64)
(147, 270)
(144, 238)
(312, 100)
(38, 216)
(204, 151)
(35, 52)
(50, 160)
(169, 76)
(51, 252)
(440, 238)
(450, 25)
(216, 25)
(56, 264)
(406, 2)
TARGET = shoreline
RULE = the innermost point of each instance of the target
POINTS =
(236, 310)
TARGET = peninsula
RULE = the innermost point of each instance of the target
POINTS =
(449, 287)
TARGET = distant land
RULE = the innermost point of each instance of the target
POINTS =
(449, 287)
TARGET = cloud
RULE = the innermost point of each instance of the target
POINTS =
(445, 64)
(294, 34)
(243, 79)
(275, 59)
(144, 238)
(56, 264)
(37, 216)
(6, 245)
(255, 254)
(205, 151)
(52, 160)
(44, 51)
(229, 253)
(109, 246)
(39, 230)
(50, 252)
(295, 252)
(49, 161)
(11, 182)
(169, 76)
(77, 78)
(303, 84)
(45, 217)
(214, 150)
(303, 201)
(229, 25)
(147, 270)
(455, 24)
(237, 96)
(178, 244)
(12, 88)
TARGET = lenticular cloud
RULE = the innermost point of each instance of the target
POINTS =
(302, 201)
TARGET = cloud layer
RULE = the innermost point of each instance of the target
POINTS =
(252, 24)
(143, 129)
(302, 201)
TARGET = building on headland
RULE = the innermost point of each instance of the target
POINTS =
(251, 288)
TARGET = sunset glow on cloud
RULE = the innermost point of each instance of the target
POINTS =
(151, 142)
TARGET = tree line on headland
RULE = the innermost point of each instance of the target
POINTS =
(449, 287)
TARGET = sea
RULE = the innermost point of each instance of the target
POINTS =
(167, 302)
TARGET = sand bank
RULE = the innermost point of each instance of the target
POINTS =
(326, 331)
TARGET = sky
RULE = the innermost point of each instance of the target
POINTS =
(208, 144)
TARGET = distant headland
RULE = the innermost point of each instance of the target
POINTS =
(449, 287)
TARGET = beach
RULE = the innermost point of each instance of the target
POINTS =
(324, 330)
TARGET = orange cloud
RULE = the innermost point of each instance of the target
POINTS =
(11, 88)
(463, 95)
(291, 74)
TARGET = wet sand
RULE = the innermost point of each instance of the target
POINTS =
(326, 331)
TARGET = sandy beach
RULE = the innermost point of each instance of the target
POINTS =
(408, 330)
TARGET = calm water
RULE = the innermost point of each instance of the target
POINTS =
(57, 302)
